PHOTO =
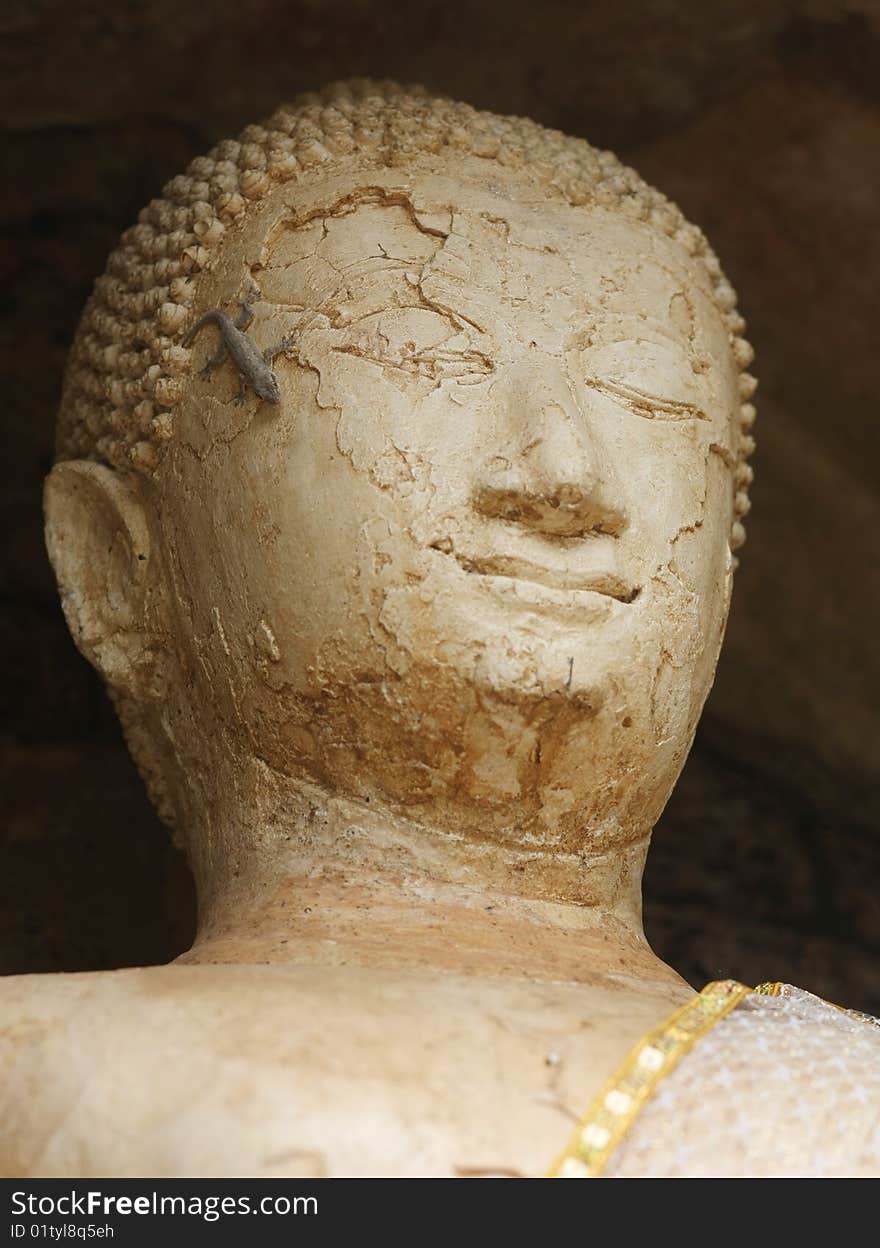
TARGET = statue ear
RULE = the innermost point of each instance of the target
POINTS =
(99, 545)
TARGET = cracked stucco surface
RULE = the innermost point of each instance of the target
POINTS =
(820, 531)
(446, 360)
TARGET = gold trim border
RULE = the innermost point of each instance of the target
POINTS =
(622, 1097)
(770, 989)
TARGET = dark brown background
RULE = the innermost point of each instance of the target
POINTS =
(762, 119)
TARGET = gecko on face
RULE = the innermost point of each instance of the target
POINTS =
(254, 367)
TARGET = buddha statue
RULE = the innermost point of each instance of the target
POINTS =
(401, 461)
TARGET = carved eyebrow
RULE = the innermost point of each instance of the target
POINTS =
(428, 360)
(652, 406)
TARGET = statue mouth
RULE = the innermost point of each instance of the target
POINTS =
(514, 568)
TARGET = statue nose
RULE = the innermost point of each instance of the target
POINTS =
(551, 474)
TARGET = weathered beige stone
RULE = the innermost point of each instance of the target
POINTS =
(411, 660)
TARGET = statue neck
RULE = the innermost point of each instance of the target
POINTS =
(330, 881)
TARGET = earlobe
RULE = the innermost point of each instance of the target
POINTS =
(99, 546)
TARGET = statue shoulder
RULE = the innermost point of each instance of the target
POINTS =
(284, 1071)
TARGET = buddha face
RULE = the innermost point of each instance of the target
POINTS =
(477, 556)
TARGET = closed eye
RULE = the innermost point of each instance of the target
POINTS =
(651, 406)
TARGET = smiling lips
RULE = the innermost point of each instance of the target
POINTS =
(514, 568)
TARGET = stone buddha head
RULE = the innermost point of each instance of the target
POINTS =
(473, 568)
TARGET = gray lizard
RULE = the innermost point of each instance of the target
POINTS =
(254, 366)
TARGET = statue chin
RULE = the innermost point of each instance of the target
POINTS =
(399, 473)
